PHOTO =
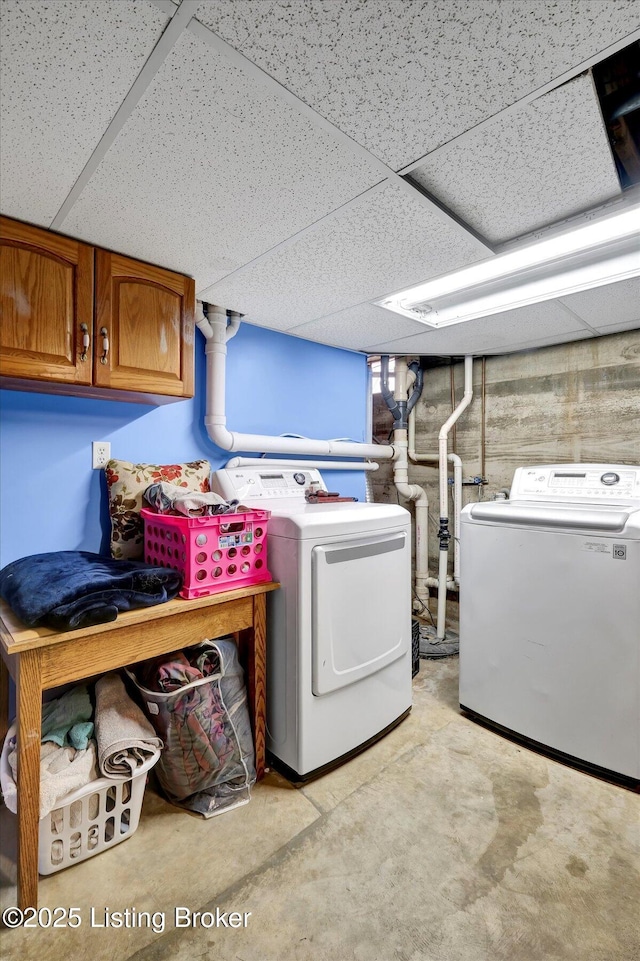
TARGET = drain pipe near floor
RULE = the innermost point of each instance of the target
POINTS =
(443, 532)
(400, 409)
(217, 330)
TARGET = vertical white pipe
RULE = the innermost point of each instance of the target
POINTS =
(422, 549)
(401, 373)
(457, 495)
(444, 508)
(418, 495)
(442, 595)
(411, 491)
(446, 427)
(216, 353)
(457, 507)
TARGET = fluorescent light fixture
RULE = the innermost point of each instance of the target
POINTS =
(600, 252)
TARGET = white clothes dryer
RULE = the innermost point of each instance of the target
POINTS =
(339, 628)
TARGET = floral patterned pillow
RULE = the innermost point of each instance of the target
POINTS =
(127, 483)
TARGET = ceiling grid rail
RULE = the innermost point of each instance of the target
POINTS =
(275, 88)
(183, 18)
(565, 77)
(179, 21)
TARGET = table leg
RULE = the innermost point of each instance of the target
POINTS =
(258, 681)
(4, 700)
(29, 717)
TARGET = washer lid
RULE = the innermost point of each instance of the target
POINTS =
(327, 520)
(605, 518)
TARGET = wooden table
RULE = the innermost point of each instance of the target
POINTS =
(40, 658)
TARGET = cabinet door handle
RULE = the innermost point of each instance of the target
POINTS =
(104, 333)
(86, 341)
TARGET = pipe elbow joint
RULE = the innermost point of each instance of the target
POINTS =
(218, 433)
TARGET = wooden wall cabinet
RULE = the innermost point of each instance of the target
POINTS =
(81, 320)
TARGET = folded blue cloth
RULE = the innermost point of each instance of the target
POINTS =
(71, 589)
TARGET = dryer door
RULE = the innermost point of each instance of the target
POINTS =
(361, 608)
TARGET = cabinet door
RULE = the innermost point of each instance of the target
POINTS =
(146, 314)
(47, 297)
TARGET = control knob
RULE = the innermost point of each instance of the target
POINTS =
(610, 478)
(299, 478)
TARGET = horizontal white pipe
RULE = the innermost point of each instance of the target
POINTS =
(215, 333)
(318, 464)
(263, 443)
(451, 584)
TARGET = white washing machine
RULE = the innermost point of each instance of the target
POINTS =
(339, 628)
(550, 613)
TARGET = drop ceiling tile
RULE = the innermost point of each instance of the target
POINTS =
(605, 307)
(548, 160)
(389, 240)
(357, 327)
(531, 326)
(210, 171)
(404, 77)
(65, 69)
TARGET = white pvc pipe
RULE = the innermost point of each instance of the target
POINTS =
(411, 491)
(419, 496)
(434, 582)
(446, 427)
(444, 508)
(216, 334)
(452, 582)
(319, 464)
(457, 507)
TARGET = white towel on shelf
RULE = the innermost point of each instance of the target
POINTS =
(125, 737)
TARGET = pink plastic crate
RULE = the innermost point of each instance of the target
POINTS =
(218, 553)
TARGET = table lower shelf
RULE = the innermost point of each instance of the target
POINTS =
(40, 659)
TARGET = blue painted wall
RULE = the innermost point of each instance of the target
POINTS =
(51, 499)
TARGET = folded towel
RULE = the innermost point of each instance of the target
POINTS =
(125, 737)
(71, 589)
(67, 719)
(80, 735)
(62, 770)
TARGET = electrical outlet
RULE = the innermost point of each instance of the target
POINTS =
(101, 451)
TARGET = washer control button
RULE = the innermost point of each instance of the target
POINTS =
(299, 478)
(610, 478)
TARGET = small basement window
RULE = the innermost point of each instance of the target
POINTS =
(617, 81)
(374, 364)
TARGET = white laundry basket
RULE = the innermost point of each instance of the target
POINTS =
(88, 820)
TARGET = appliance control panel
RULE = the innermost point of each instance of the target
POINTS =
(578, 483)
(268, 484)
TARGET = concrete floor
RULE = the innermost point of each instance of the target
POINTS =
(444, 842)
